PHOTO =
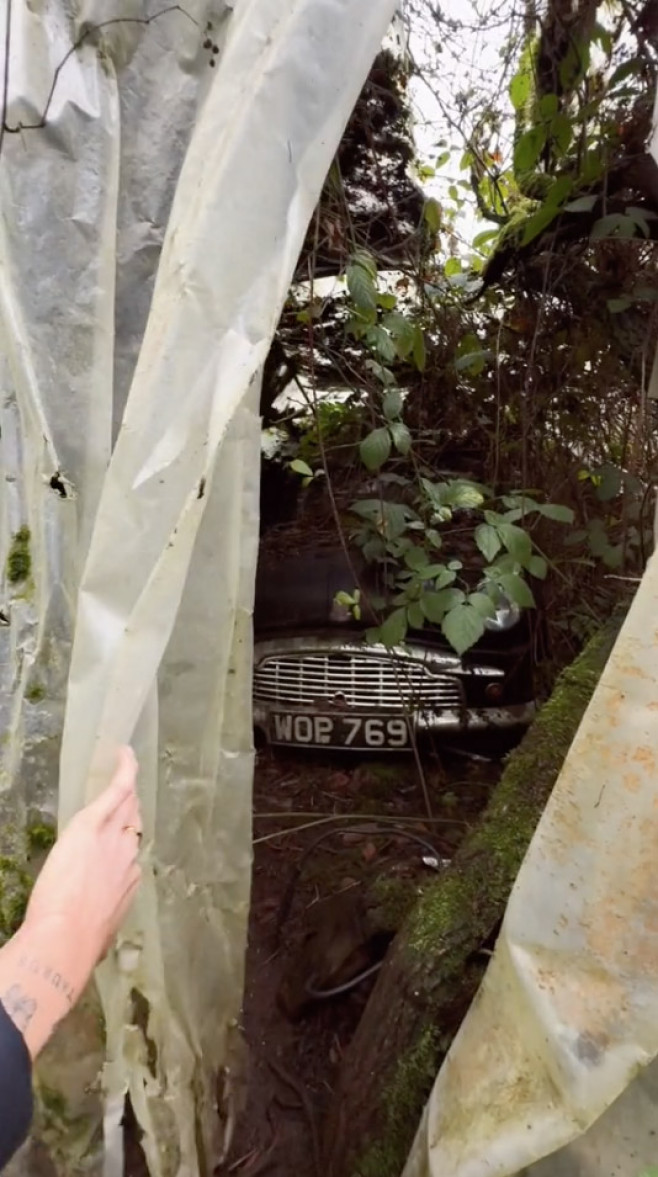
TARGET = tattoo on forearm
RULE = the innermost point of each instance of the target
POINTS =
(20, 1006)
(47, 973)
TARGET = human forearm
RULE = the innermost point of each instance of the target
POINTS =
(42, 975)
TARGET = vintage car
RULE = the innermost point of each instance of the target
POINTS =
(319, 684)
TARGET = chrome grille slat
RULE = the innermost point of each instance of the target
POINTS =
(362, 681)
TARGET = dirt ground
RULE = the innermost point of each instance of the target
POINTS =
(293, 1063)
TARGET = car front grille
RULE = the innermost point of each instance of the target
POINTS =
(354, 680)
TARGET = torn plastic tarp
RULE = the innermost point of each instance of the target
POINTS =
(567, 1013)
(150, 553)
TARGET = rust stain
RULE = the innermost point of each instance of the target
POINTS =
(646, 756)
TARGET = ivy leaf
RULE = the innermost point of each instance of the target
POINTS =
(393, 630)
(556, 511)
(462, 627)
(415, 616)
(517, 590)
(401, 437)
(392, 404)
(375, 448)
(301, 467)
(361, 287)
(488, 541)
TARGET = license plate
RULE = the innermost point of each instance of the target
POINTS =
(338, 731)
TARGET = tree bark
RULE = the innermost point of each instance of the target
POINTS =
(436, 962)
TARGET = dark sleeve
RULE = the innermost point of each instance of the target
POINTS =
(15, 1088)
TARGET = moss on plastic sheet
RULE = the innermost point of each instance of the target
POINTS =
(19, 560)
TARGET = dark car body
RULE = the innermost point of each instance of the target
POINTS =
(319, 684)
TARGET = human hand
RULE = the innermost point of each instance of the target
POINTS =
(90, 876)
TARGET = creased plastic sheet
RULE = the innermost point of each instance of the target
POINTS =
(146, 559)
(567, 1014)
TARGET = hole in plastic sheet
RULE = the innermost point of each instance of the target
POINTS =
(57, 484)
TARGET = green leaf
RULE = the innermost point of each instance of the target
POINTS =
(436, 605)
(432, 214)
(617, 305)
(626, 70)
(473, 362)
(556, 512)
(517, 590)
(462, 627)
(418, 352)
(517, 541)
(558, 191)
(387, 302)
(613, 225)
(548, 106)
(561, 132)
(465, 496)
(520, 89)
(483, 604)
(361, 287)
(444, 578)
(301, 467)
(537, 567)
(485, 238)
(416, 558)
(415, 616)
(452, 266)
(403, 331)
(584, 204)
(488, 541)
(375, 448)
(392, 404)
(363, 258)
(529, 148)
(393, 630)
(380, 340)
(401, 437)
(442, 160)
(538, 222)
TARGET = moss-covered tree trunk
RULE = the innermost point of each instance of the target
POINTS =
(434, 965)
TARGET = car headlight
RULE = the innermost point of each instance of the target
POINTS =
(507, 612)
(506, 616)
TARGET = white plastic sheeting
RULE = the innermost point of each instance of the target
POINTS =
(144, 555)
(567, 1015)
